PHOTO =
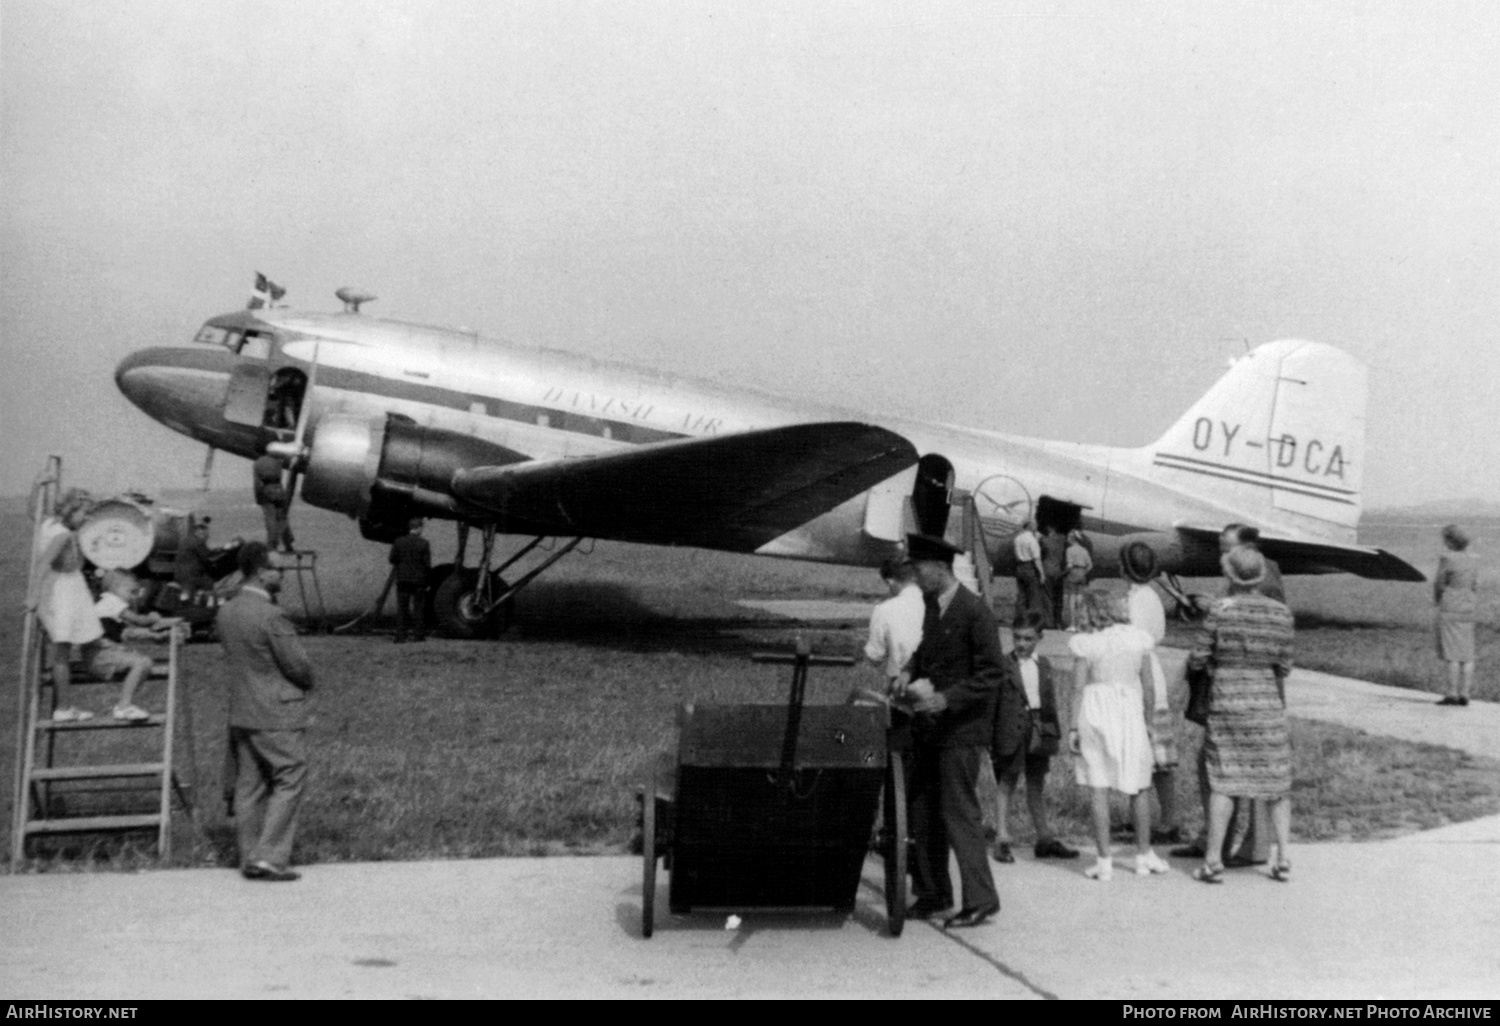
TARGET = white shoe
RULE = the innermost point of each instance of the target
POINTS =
(68, 714)
(1150, 863)
(130, 713)
(1102, 870)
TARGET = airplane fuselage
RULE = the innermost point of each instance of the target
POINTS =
(538, 404)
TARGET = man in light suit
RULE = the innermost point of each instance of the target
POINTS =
(954, 676)
(268, 717)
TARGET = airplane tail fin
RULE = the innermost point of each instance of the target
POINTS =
(1279, 439)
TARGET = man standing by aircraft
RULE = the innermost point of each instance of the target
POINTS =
(411, 562)
(268, 717)
(1031, 595)
(955, 677)
(271, 497)
(896, 623)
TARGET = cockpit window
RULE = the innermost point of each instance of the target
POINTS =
(215, 336)
(253, 344)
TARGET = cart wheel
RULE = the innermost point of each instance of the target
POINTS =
(896, 845)
(648, 855)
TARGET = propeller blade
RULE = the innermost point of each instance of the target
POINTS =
(298, 453)
(208, 467)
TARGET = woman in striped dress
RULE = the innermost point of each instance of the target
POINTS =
(1246, 643)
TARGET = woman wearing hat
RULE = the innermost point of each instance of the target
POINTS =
(1455, 591)
(1245, 642)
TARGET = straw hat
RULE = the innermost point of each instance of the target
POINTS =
(1244, 566)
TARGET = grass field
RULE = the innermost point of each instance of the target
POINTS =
(535, 744)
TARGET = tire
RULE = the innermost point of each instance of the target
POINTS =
(453, 609)
(896, 846)
(435, 577)
(648, 857)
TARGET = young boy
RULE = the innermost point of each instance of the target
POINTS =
(107, 658)
(1027, 732)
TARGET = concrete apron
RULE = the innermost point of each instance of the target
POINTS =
(1410, 918)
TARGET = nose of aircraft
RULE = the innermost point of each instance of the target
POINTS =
(133, 377)
(181, 388)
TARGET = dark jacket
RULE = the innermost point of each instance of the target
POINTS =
(268, 689)
(960, 654)
(411, 555)
(1014, 720)
(192, 569)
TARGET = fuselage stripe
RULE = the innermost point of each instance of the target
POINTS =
(1164, 459)
(1264, 481)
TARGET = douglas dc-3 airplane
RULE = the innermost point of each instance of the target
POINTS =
(384, 421)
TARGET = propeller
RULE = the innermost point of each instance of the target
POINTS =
(294, 454)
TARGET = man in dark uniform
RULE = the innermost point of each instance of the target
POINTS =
(268, 717)
(953, 682)
(271, 497)
(193, 566)
(411, 561)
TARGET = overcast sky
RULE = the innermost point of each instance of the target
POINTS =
(1046, 218)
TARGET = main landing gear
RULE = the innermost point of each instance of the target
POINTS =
(1191, 606)
(476, 602)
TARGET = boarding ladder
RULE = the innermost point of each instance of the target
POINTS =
(973, 568)
(41, 781)
(304, 564)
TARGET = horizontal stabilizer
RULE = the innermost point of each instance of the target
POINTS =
(732, 491)
(1302, 557)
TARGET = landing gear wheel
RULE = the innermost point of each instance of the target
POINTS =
(648, 855)
(456, 608)
(895, 846)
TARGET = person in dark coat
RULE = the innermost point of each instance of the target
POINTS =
(268, 717)
(951, 687)
(192, 568)
(1027, 734)
(411, 562)
(274, 502)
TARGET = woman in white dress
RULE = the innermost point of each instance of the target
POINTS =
(62, 600)
(1112, 734)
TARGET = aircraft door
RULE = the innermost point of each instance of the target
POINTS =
(245, 402)
(932, 496)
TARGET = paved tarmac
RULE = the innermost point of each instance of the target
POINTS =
(1410, 918)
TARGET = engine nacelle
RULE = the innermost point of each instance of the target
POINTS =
(386, 471)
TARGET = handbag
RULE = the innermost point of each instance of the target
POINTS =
(1200, 682)
(1045, 738)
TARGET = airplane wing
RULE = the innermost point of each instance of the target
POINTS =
(1301, 557)
(732, 491)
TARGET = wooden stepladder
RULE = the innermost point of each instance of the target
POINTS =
(42, 778)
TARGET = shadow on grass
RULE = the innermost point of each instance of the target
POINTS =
(626, 618)
(1308, 620)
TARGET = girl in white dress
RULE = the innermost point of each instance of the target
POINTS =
(62, 600)
(1111, 732)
